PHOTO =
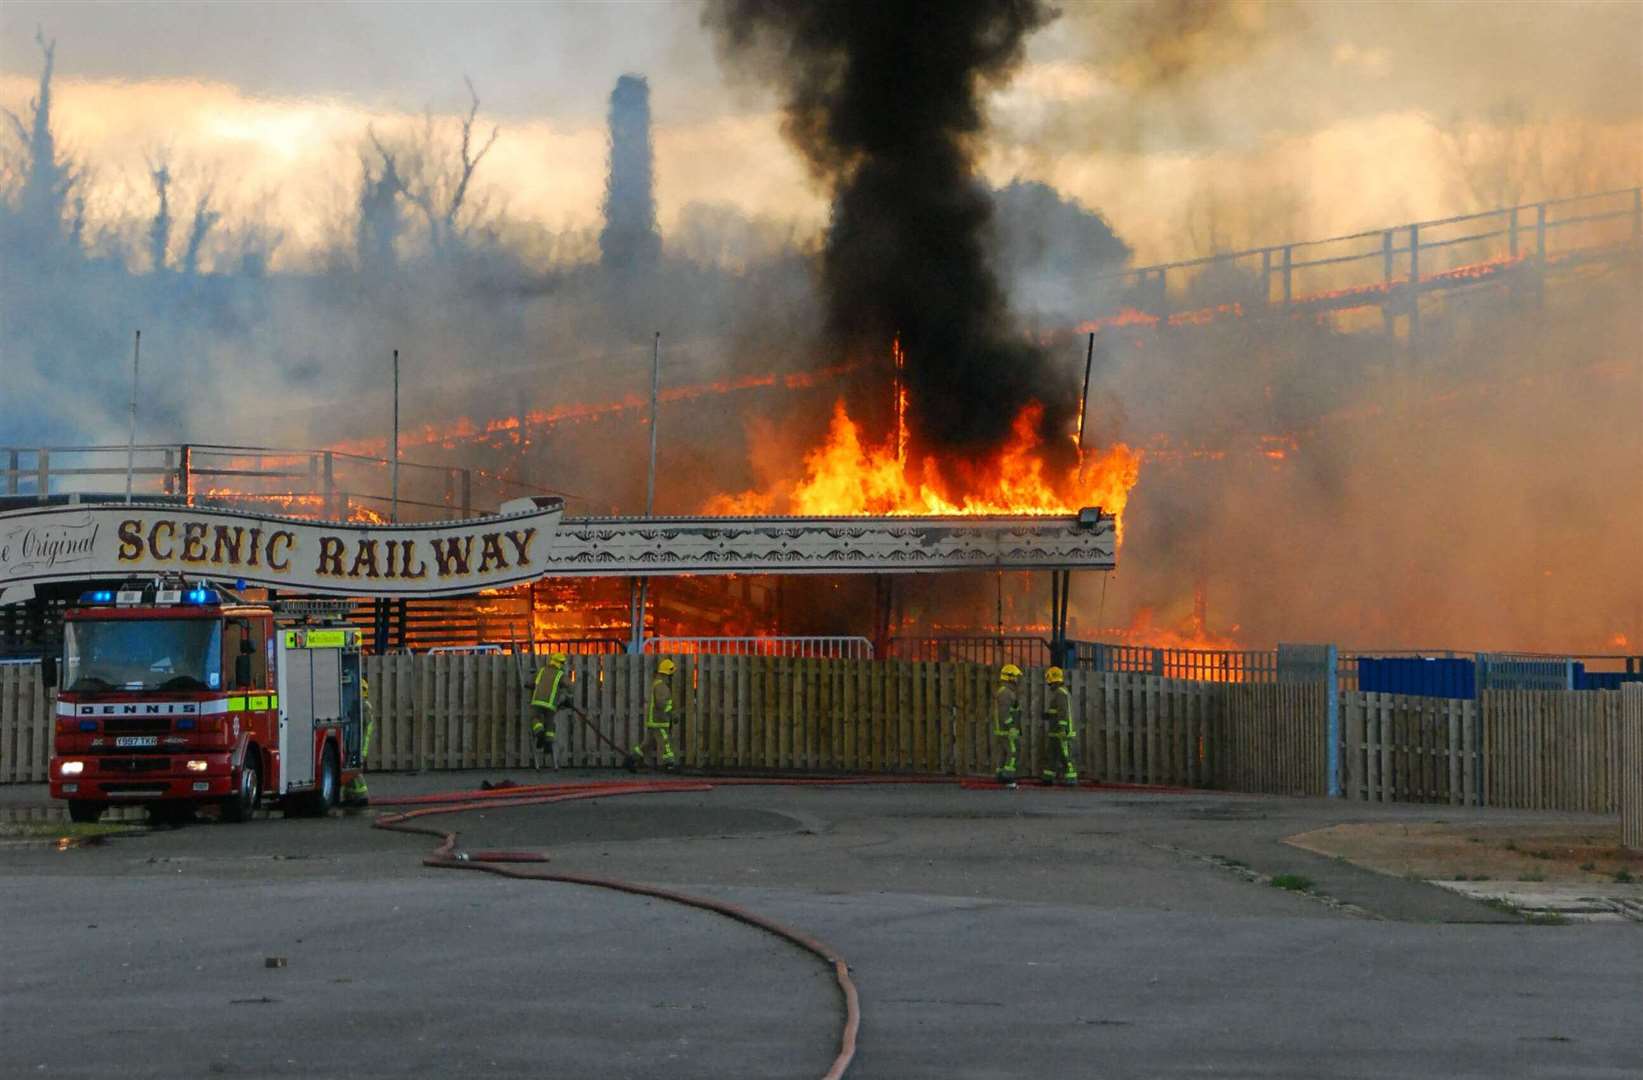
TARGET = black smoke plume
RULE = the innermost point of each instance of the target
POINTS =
(883, 99)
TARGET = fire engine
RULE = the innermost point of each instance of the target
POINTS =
(177, 695)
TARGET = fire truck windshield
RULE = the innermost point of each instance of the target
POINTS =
(142, 654)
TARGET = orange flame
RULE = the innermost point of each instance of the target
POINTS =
(294, 504)
(846, 475)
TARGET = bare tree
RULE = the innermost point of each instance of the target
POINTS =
(49, 181)
(159, 229)
(378, 225)
(439, 188)
(204, 220)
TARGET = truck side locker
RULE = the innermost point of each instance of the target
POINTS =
(351, 710)
(297, 711)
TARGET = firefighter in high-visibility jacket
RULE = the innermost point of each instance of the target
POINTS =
(356, 793)
(658, 721)
(1007, 720)
(1058, 724)
(549, 694)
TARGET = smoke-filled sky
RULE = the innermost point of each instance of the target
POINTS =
(1159, 114)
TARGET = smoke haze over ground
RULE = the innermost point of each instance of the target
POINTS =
(1482, 492)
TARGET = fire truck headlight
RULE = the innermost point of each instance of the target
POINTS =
(196, 766)
(72, 768)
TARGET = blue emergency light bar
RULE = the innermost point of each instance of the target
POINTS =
(98, 596)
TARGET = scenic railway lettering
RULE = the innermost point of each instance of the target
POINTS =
(166, 541)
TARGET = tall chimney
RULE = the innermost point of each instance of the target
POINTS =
(629, 241)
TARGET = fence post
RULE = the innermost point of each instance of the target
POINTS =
(42, 475)
(1630, 772)
(1414, 284)
(1332, 729)
(1289, 275)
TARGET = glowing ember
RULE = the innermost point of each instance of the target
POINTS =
(295, 504)
(466, 430)
(847, 475)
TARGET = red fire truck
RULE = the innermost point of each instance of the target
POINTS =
(177, 695)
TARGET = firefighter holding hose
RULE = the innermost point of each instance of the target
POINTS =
(658, 721)
(1058, 720)
(549, 694)
(1007, 720)
(356, 793)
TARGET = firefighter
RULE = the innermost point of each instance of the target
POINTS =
(1058, 721)
(658, 721)
(356, 794)
(548, 696)
(1007, 720)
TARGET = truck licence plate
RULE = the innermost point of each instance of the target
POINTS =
(137, 740)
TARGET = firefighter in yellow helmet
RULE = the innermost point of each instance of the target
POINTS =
(1058, 723)
(356, 793)
(658, 721)
(1007, 720)
(548, 695)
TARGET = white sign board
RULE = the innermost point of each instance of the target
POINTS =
(101, 541)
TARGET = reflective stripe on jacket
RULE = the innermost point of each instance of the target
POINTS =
(661, 693)
(551, 700)
(1058, 710)
(1006, 710)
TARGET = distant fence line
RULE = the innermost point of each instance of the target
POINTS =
(1542, 750)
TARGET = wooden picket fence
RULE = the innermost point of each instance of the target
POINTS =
(1553, 750)
(1404, 748)
(26, 708)
(1631, 766)
(1274, 739)
(1534, 750)
(789, 714)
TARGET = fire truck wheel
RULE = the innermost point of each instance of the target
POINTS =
(243, 803)
(84, 811)
(328, 785)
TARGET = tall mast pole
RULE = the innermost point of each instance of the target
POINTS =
(131, 440)
(393, 467)
(650, 483)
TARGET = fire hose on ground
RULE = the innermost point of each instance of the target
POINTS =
(506, 864)
(517, 864)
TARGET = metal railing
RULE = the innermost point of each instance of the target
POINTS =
(327, 484)
(812, 647)
(1209, 665)
(1378, 266)
(1022, 650)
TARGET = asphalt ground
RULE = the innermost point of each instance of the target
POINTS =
(1035, 933)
